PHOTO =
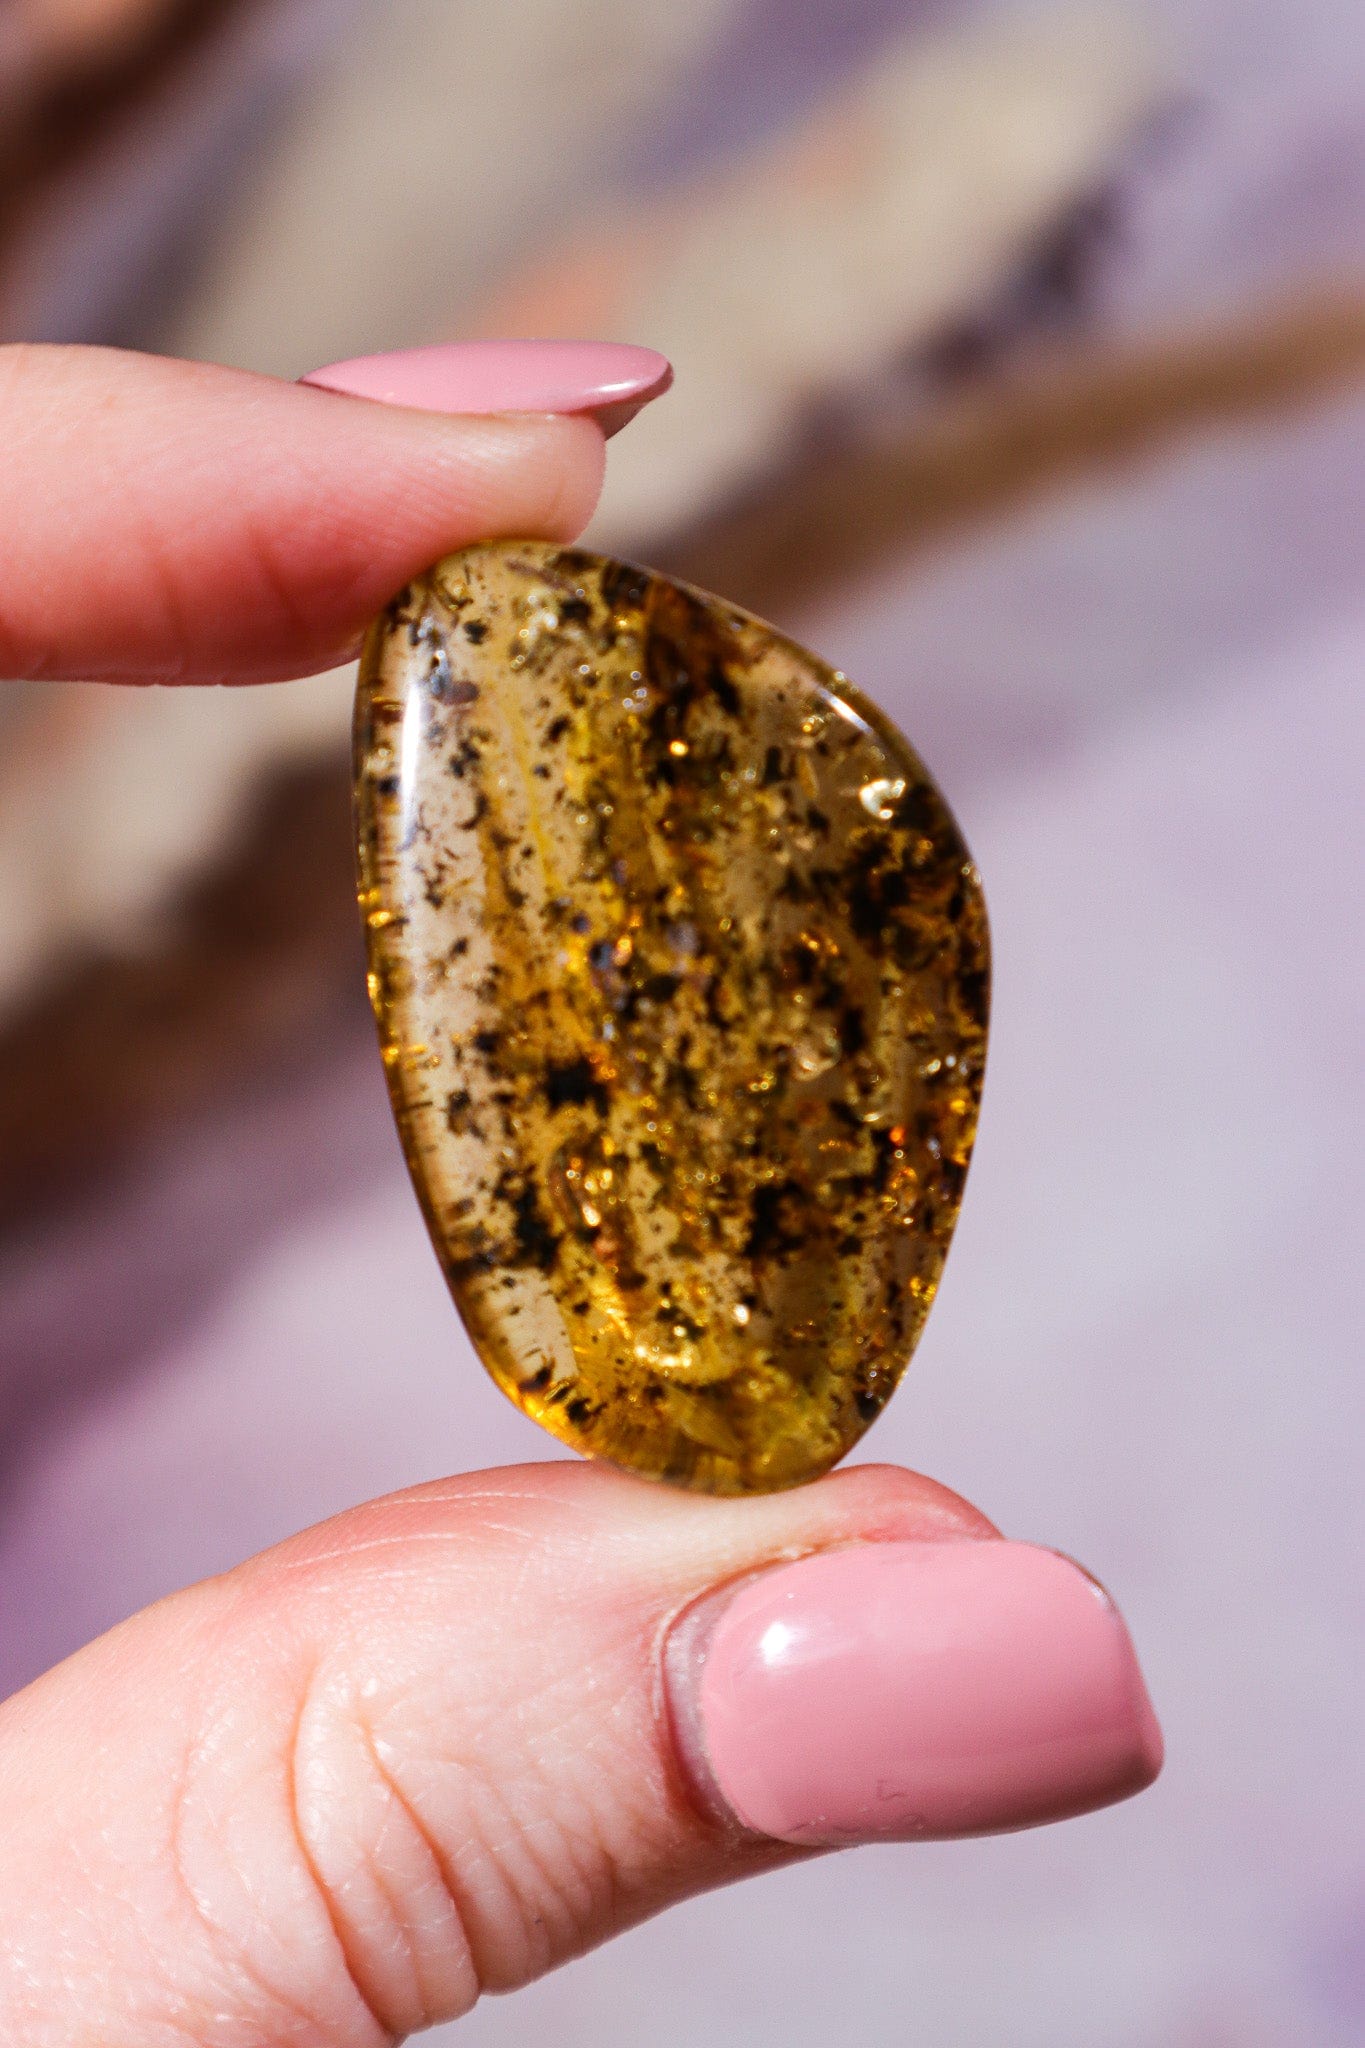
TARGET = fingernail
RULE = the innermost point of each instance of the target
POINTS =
(908, 1691)
(608, 379)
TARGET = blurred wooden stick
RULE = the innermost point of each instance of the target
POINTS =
(834, 516)
(263, 956)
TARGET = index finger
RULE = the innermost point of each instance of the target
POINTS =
(177, 522)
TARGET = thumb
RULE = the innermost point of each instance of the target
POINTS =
(451, 1739)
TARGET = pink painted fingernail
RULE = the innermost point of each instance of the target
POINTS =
(608, 379)
(900, 1691)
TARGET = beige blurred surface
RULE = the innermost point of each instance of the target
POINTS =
(903, 206)
(1098, 547)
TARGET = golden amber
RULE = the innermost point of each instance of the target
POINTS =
(680, 965)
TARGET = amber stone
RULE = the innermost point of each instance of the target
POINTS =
(680, 965)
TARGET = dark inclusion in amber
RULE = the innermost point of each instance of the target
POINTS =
(680, 965)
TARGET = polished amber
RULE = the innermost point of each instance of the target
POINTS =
(680, 966)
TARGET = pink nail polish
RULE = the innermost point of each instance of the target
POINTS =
(608, 379)
(902, 1691)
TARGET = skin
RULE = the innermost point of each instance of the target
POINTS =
(418, 1752)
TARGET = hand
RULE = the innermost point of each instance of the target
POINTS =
(448, 1740)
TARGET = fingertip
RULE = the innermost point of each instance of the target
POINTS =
(180, 522)
(916, 1691)
(439, 1735)
(577, 475)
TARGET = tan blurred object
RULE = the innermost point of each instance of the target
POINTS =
(902, 206)
(445, 134)
(109, 799)
(320, 217)
(69, 70)
(54, 49)
(226, 943)
(894, 212)
(814, 267)
(820, 273)
(993, 446)
(41, 41)
(60, 32)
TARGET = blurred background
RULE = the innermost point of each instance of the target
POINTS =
(1020, 362)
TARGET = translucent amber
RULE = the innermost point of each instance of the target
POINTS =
(680, 965)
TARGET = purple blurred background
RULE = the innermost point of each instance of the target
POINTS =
(1138, 675)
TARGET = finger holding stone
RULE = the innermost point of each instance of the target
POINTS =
(178, 522)
(449, 1740)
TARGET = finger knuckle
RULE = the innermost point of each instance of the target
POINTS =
(382, 1873)
(456, 1859)
(250, 1930)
